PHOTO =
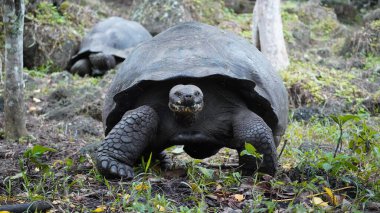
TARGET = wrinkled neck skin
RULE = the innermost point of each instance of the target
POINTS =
(185, 119)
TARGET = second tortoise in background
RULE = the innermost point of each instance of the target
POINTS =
(107, 44)
(198, 86)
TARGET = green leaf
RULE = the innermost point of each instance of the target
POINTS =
(148, 163)
(326, 166)
(250, 149)
(208, 173)
(37, 151)
(244, 152)
(335, 119)
(345, 118)
(69, 162)
(342, 119)
(177, 150)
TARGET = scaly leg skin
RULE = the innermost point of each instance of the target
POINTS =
(101, 63)
(81, 67)
(126, 142)
(250, 128)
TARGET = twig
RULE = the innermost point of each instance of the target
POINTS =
(339, 140)
(222, 166)
(282, 149)
(314, 195)
(38, 206)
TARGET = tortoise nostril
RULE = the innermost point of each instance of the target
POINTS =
(188, 96)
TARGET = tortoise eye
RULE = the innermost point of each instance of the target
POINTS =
(177, 94)
(197, 93)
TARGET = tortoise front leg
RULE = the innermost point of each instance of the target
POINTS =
(126, 142)
(81, 67)
(101, 63)
(250, 128)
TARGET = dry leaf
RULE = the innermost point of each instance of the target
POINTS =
(32, 109)
(142, 187)
(126, 197)
(160, 208)
(5, 212)
(195, 187)
(213, 197)
(100, 209)
(333, 199)
(287, 166)
(239, 197)
(319, 202)
(37, 100)
(218, 187)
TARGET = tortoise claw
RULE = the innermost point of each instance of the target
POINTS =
(112, 168)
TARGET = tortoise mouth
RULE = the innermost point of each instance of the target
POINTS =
(192, 109)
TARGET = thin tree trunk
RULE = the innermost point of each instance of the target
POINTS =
(1, 69)
(268, 23)
(13, 63)
(255, 27)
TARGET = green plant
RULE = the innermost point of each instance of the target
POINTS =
(48, 13)
(341, 120)
(250, 150)
(364, 140)
(35, 154)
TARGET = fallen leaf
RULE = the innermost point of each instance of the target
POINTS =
(57, 163)
(5, 212)
(319, 202)
(142, 186)
(218, 187)
(37, 100)
(177, 150)
(213, 197)
(287, 166)
(55, 202)
(333, 199)
(160, 208)
(195, 188)
(100, 209)
(32, 109)
(126, 197)
(239, 197)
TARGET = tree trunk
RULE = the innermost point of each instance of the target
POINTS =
(267, 32)
(13, 20)
(255, 28)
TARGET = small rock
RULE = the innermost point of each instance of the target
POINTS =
(372, 15)
(231, 210)
(58, 77)
(84, 125)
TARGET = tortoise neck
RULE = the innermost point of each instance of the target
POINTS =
(185, 119)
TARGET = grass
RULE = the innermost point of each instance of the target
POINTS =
(308, 173)
(305, 174)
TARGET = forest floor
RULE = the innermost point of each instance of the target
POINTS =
(327, 91)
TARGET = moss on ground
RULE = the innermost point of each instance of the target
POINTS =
(324, 83)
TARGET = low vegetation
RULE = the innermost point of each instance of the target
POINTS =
(329, 156)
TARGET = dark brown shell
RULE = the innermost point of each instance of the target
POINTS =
(195, 50)
(114, 36)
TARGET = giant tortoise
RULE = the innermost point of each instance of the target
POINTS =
(107, 44)
(198, 86)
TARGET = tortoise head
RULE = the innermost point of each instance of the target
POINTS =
(186, 99)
